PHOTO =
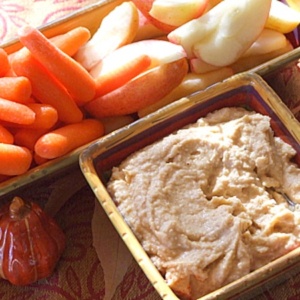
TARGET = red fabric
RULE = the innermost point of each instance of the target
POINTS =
(79, 274)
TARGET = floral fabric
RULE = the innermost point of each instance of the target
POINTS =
(16, 13)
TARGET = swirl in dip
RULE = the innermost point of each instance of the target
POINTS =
(201, 204)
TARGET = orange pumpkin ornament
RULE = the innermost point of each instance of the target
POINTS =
(31, 242)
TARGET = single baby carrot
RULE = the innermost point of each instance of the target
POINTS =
(27, 137)
(45, 87)
(46, 116)
(72, 40)
(67, 138)
(39, 160)
(4, 62)
(6, 136)
(112, 77)
(69, 72)
(15, 160)
(17, 89)
(16, 112)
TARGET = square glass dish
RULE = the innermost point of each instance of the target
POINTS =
(245, 90)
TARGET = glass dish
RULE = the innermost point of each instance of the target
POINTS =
(247, 90)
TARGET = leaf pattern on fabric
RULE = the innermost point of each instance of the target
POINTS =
(16, 13)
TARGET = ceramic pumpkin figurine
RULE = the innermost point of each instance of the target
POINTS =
(31, 242)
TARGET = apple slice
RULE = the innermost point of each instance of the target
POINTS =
(140, 92)
(145, 6)
(177, 12)
(198, 66)
(211, 4)
(118, 28)
(115, 73)
(295, 4)
(146, 29)
(282, 18)
(159, 51)
(246, 63)
(268, 41)
(190, 84)
(224, 33)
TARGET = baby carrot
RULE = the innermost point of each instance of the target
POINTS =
(72, 40)
(4, 62)
(45, 117)
(67, 138)
(39, 160)
(17, 89)
(6, 136)
(15, 160)
(45, 87)
(70, 73)
(27, 137)
(16, 112)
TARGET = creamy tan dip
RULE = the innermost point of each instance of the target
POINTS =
(200, 204)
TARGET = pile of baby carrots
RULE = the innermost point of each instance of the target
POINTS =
(42, 91)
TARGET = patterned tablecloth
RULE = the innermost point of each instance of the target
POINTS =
(15, 13)
(80, 274)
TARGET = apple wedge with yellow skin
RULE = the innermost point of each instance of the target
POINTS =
(224, 33)
(140, 92)
(177, 12)
(118, 28)
(282, 17)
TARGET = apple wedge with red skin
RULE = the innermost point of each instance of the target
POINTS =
(145, 6)
(146, 29)
(138, 93)
(224, 33)
(159, 51)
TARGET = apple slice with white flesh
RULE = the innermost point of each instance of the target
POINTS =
(159, 51)
(295, 4)
(118, 28)
(268, 41)
(177, 12)
(282, 17)
(139, 92)
(146, 29)
(198, 66)
(223, 34)
(246, 63)
(145, 6)
(191, 83)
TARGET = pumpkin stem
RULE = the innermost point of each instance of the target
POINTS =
(18, 208)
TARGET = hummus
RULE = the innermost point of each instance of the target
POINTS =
(201, 201)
